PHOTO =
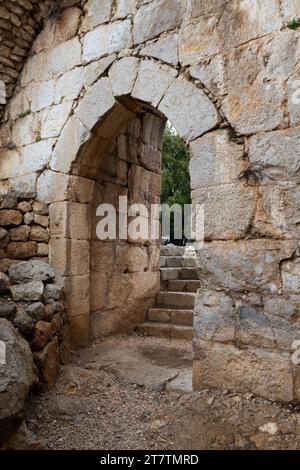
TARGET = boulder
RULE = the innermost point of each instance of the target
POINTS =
(24, 322)
(4, 238)
(4, 283)
(35, 270)
(17, 375)
(10, 217)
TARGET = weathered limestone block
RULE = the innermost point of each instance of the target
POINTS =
(278, 211)
(99, 283)
(96, 69)
(19, 234)
(25, 185)
(244, 266)
(39, 234)
(199, 39)
(52, 291)
(27, 271)
(73, 135)
(243, 21)
(291, 275)
(98, 100)
(36, 311)
(42, 95)
(26, 130)
(265, 373)
(131, 258)
(214, 316)
(24, 206)
(156, 17)
(267, 153)
(102, 256)
(10, 217)
(69, 85)
(70, 220)
(290, 9)
(96, 12)
(228, 210)
(17, 374)
(123, 74)
(32, 291)
(106, 39)
(36, 156)
(8, 198)
(80, 331)
(190, 111)
(52, 186)
(152, 82)
(165, 49)
(215, 159)
(22, 250)
(282, 314)
(211, 73)
(53, 119)
(10, 163)
(255, 108)
(48, 363)
(125, 8)
(77, 291)
(76, 263)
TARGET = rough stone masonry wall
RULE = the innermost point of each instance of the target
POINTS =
(29, 297)
(225, 74)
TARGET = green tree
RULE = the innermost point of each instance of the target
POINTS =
(176, 187)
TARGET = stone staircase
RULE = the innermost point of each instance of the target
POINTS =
(172, 316)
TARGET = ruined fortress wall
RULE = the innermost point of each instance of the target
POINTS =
(225, 73)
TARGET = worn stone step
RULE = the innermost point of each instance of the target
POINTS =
(172, 250)
(180, 285)
(165, 330)
(188, 273)
(176, 299)
(168, 274)
(173, 316)
(177, 262)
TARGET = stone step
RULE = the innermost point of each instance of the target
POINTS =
(172, 250)
(179, 285)
(181, 300)
(177, 262)
(172, 274)
(165, 330)
(175, 317)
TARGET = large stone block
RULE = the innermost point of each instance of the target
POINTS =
(189, 109)
(96, 103)
(165, 49)
(152, 82)
(255, 108)
(214, 316)
(34, 270)
(215, 159)
(52, 187)
(96, 12)
(10, 217)
(156, 17)
(22, 250)
(53, 119)
(18, 372)
(102, 256)
(69, 85)
(267, 152)
(228, 210)
(77, 295)
(69, 257)
(79, 331)
(35, 157)
(123, 74)
(99, 283)
(245, 266)
(42, 95)
(30, 292)
(70, 220)
(73, 135)
(199, 39)
(262, 372)
(291, 275)
(107, 39)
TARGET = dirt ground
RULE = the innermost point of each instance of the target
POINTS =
(135, 393)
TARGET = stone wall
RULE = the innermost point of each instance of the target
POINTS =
(225, 74)
(29, 297)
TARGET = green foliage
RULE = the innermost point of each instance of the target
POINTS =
(294, 23)
(175, 170)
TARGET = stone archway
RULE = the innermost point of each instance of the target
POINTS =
(118, 127)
